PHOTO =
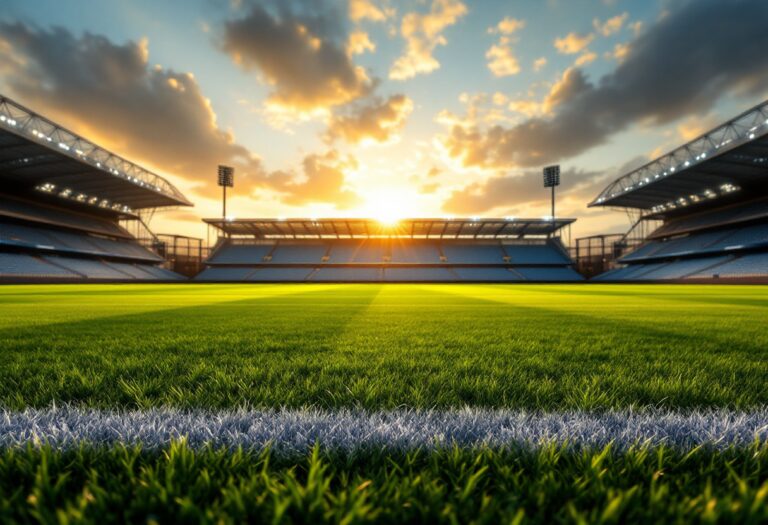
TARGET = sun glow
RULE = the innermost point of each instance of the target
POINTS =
(390, 206)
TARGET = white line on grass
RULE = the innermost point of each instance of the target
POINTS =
(295, 431)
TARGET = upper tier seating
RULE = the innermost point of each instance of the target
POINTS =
(42, 215)
(52, 240)
(711, 219)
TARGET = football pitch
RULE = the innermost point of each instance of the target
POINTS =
(587, 396)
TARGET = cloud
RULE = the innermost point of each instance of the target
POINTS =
(323, 181)
(610, 26)
(620, 52)
(539, 64)
(360, 42)
(585, 58)
(526, 188)
(154, 115)
(377, 121)
(657, 83)
(368, 10)
(501, 58)
(507, 26)
(111, 94)
(303, 56)
(422, 34)
(573, 43)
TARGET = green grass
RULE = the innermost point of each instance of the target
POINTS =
(382, 346)
(377, 347)
(550, 485)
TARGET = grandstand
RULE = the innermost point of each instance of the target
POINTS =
(412, 250)
(710, 197)
(65, 204)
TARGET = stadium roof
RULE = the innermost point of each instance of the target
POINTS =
(723, 161)
(406, 228)
(36, 153)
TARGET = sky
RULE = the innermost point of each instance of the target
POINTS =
(387, 108)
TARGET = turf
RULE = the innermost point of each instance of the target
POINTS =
(549, 485)
(549, 347)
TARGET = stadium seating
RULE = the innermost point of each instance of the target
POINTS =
(299, 253)
(424, 253)
(357, 252)
(457, 253)
(22, 265)
(535, 254)
(241, 253)
(38, 237)
(546, 273)
(224, 273)
(280, 274)
(388, 260)
(487, 274)
(750, 265)
(347, 274)
(418, 274)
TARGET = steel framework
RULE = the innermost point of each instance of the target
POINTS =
(740, 130)
(23, 122)
(470, 228)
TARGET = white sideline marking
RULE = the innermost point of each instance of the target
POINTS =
(295, 431)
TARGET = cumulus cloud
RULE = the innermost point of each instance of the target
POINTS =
(610, 26)
(620, 52)
(588, 114)
(507, 26)
(359, 42)
(422, 34)
(323, 180)
(585, 58)
(368, 10)
(301, 54)
(573, 43)
(110, 93)
(154, 115)
(501, 58)
(377, 120)
(539, 64)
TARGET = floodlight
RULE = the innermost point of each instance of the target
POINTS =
(226, 180)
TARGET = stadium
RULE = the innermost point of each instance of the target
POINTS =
(342, 368)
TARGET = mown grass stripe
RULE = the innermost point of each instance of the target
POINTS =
(297, 431)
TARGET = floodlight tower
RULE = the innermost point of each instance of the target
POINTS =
(552, 179)
(226, 180)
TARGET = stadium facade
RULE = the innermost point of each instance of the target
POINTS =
(72, 211)
(702, 208)
(411, 250)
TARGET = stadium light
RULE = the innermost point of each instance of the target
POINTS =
(226, 180)
(552, 179)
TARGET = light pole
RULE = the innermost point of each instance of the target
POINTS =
(226, 180)
(552, 179)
